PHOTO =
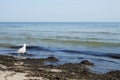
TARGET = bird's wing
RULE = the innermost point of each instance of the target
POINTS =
(19, 50)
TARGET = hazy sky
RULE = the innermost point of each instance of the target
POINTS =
(60, 10)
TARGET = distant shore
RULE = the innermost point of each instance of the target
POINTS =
(30, 68)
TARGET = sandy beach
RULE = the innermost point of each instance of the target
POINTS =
(36, 69)
(11, 75)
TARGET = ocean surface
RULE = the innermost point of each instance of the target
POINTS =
(72, 42)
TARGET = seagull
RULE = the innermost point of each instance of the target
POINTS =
(22, 50)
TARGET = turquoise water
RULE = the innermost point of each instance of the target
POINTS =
(91, 37)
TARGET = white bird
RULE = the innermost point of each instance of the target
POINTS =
(22, 50)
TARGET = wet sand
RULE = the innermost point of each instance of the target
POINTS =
(12, 68)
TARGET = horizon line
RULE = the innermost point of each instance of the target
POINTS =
(59, 21)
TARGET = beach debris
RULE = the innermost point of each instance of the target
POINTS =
(86, 62)
(52, 59)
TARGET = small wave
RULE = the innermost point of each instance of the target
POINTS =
(78, 42)
(98, 32)
(111, 55)
(89, 42)
(6, 45)
(107, 60)
(32, 48)
(81, 52)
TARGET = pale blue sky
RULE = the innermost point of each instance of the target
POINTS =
(60, 10)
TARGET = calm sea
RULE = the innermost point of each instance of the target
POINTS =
(69, 41)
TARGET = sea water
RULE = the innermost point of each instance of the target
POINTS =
(68, 41)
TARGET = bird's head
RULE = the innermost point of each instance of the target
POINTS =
(24, 44)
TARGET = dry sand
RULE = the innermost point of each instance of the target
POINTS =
(11, 75)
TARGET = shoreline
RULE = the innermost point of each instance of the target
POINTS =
(31, 68)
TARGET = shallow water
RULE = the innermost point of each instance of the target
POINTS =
(70, 42)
